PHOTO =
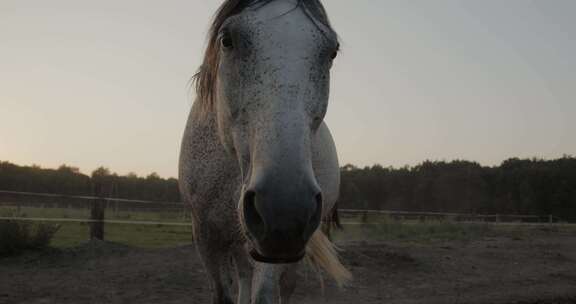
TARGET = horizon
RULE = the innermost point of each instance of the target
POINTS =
(104, 84)
(412, 166)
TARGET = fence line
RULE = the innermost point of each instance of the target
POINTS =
(183, 224)
(176, 205)
(90, 198)
(98, 204)
(424, 214)
(75, 220)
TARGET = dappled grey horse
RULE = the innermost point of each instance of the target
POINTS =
(258, 165)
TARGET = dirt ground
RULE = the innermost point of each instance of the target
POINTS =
(541, 269)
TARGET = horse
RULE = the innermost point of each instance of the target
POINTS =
(258, 165)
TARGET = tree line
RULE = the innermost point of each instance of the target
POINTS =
(517, 186)
(69, 180)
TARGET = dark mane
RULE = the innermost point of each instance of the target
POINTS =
(206, 77)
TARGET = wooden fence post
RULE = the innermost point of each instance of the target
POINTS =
(97, 212)
(364, 217)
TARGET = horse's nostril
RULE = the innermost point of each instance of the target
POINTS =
(252, 217)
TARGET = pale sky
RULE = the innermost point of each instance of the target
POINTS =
(104, 83)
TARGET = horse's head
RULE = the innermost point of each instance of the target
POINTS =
(270, 73)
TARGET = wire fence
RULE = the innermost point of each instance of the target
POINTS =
(78, 220)
(31, 206)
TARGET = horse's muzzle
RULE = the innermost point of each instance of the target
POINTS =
(279, 218)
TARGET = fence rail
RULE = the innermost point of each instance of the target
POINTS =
(98, 212)
(189, 224)
(78, 220)
(421, 215)
(155, 206)
(88, 198)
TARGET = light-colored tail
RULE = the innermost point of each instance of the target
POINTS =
(324, 255)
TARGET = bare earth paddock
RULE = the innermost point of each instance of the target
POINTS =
(538, 266)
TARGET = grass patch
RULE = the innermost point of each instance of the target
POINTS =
(147, 236)
(17, 237)
(428, 231)
(168, 215)
(71, 234)
(373, 228)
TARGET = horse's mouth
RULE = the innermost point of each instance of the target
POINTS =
(276, 260)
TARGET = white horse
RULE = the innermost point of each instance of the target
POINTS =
(258, 164)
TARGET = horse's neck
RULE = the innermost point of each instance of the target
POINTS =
(204, 162)
(207, 142)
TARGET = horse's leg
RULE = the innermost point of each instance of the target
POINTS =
(245, 273)
(266, 283)
(219, 265)
(288, 281)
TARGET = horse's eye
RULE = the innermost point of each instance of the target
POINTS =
(226, 41)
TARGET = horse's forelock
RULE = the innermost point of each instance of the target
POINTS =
(206, 77)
